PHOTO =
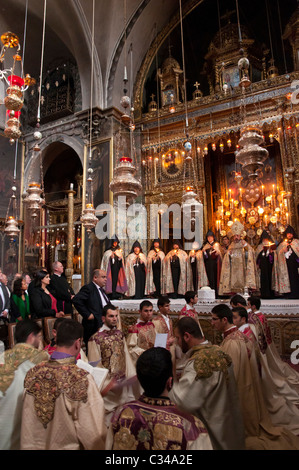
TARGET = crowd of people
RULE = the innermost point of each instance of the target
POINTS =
(97, 385)
(102, 388)
(229, 267)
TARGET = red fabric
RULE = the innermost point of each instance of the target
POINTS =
(54, 303)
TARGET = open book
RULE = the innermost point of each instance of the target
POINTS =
(161, 340)
(99, 374)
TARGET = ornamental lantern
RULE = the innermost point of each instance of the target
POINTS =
(12, 127)
(251, 156)
(33, 198)
(88, 217)
(11, 228)
(124, 182)
(14, 99)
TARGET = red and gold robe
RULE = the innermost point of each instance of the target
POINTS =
(190, 312)
(108, 347)
(141, 337)
(155, 424)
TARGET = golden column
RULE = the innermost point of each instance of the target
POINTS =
(70, 235)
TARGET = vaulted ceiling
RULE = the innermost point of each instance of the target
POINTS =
(68, 34)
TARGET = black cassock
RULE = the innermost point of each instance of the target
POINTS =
(176, 273)
(211, 265)
(115, 265)
(293, 265)
(265, 263)
(156, 266)
(139, 271)
(193, 262)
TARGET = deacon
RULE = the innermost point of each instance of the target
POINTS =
(238, 265)
(177, 271)
(207, 387)
(286, 265)
(285, 377)
(113, 264)
(63, 408)
(154, 275)
(141, 336)
(264, 259)
(260, 433)
(14, 366)
(282, 410)
(212, 259)
(136, 272)
(108, 348)
(153, 422)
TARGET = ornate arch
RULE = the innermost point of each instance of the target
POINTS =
(151, 53)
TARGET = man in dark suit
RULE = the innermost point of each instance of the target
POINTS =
(90, 301)
(61, 289)
(4, 310)
(4, 299)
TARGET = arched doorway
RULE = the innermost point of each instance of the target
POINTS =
(46, 239)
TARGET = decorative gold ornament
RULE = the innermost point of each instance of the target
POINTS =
(11, 228)
(124, 182)
(33, 198)
(9, 40)
(14, 99)
(12, 127)
(251, 156)
(88, 218)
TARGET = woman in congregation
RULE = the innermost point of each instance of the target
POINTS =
(19, 301)
(43, 303)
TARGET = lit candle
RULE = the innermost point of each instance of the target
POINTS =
(273, 187)
(79, 258)
(263, 190)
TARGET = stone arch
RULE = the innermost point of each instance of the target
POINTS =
(32, 166)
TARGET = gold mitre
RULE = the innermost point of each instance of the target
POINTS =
(237, 228)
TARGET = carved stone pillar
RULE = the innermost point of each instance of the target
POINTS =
(70, 236)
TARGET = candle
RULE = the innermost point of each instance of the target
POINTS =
(287, 216)
(263, 190)
(71, 186)
(79, 258)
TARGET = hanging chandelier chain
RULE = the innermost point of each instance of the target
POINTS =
(42, 60)
(25, 36)
(184, 68)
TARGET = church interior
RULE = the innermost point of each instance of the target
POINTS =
(159, 103)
